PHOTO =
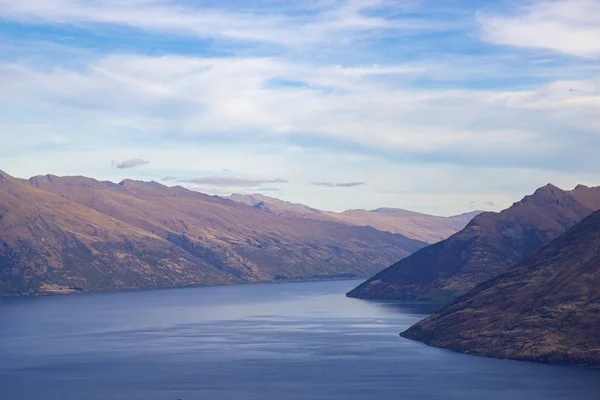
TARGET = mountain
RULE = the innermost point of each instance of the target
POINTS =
(546, 308)
(49, 244)
(486, 247)
(423, 227)
(60, 234)
(428, 228)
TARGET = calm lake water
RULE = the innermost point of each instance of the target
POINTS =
(284, 341)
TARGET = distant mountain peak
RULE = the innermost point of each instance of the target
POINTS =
(391, 210)
(126, 181)
(543, 195)
(548, 188)
(38, 179)
(138, 184)
(423, 227)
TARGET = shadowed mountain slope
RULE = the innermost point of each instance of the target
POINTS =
(76, 232)
(486, 247)
(546, 308)
(427, 228)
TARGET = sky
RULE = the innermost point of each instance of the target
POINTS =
(437, 106)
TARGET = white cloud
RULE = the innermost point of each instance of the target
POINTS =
(131, 163)
(185, 98)
(566, 26)
(333, 21)
(338, 184)
(230, 181)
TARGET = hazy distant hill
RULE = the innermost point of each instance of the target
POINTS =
(546, 308)
(59, 234)
(488, 246)
(427, 228)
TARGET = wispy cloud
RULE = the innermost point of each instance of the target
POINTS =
(482, 205)
(169, 178)
(323, 22)
(228, 181)
(338, 185)
(566, 26)
(158, 95)
(132, 163)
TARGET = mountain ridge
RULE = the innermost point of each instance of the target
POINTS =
(420, 226)
(546, 308)
(96, 235)
(487, 246)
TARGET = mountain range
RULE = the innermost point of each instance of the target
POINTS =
(72, 234)
(423, 227)
(485, 248)
(546, 308)
(525, 281)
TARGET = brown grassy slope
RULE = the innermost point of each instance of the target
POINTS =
(48, 242)
(423, 227)
(488, 246)
(546, 308)
(237, 240)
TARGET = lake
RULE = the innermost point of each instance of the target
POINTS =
(266, 341)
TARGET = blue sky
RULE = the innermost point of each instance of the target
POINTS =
(438, 106)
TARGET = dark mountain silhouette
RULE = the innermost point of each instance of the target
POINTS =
(486, 247)
(546, 308)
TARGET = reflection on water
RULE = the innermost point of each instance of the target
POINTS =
(407, 308)
(285, 341)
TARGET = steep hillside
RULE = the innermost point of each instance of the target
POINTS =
(76, 232)
(51, 244)
(546, 308)
(427, 228)
(488, 246)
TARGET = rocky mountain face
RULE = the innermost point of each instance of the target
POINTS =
(65, 234)
(546, 308)
(485, 248)
(423, 227)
